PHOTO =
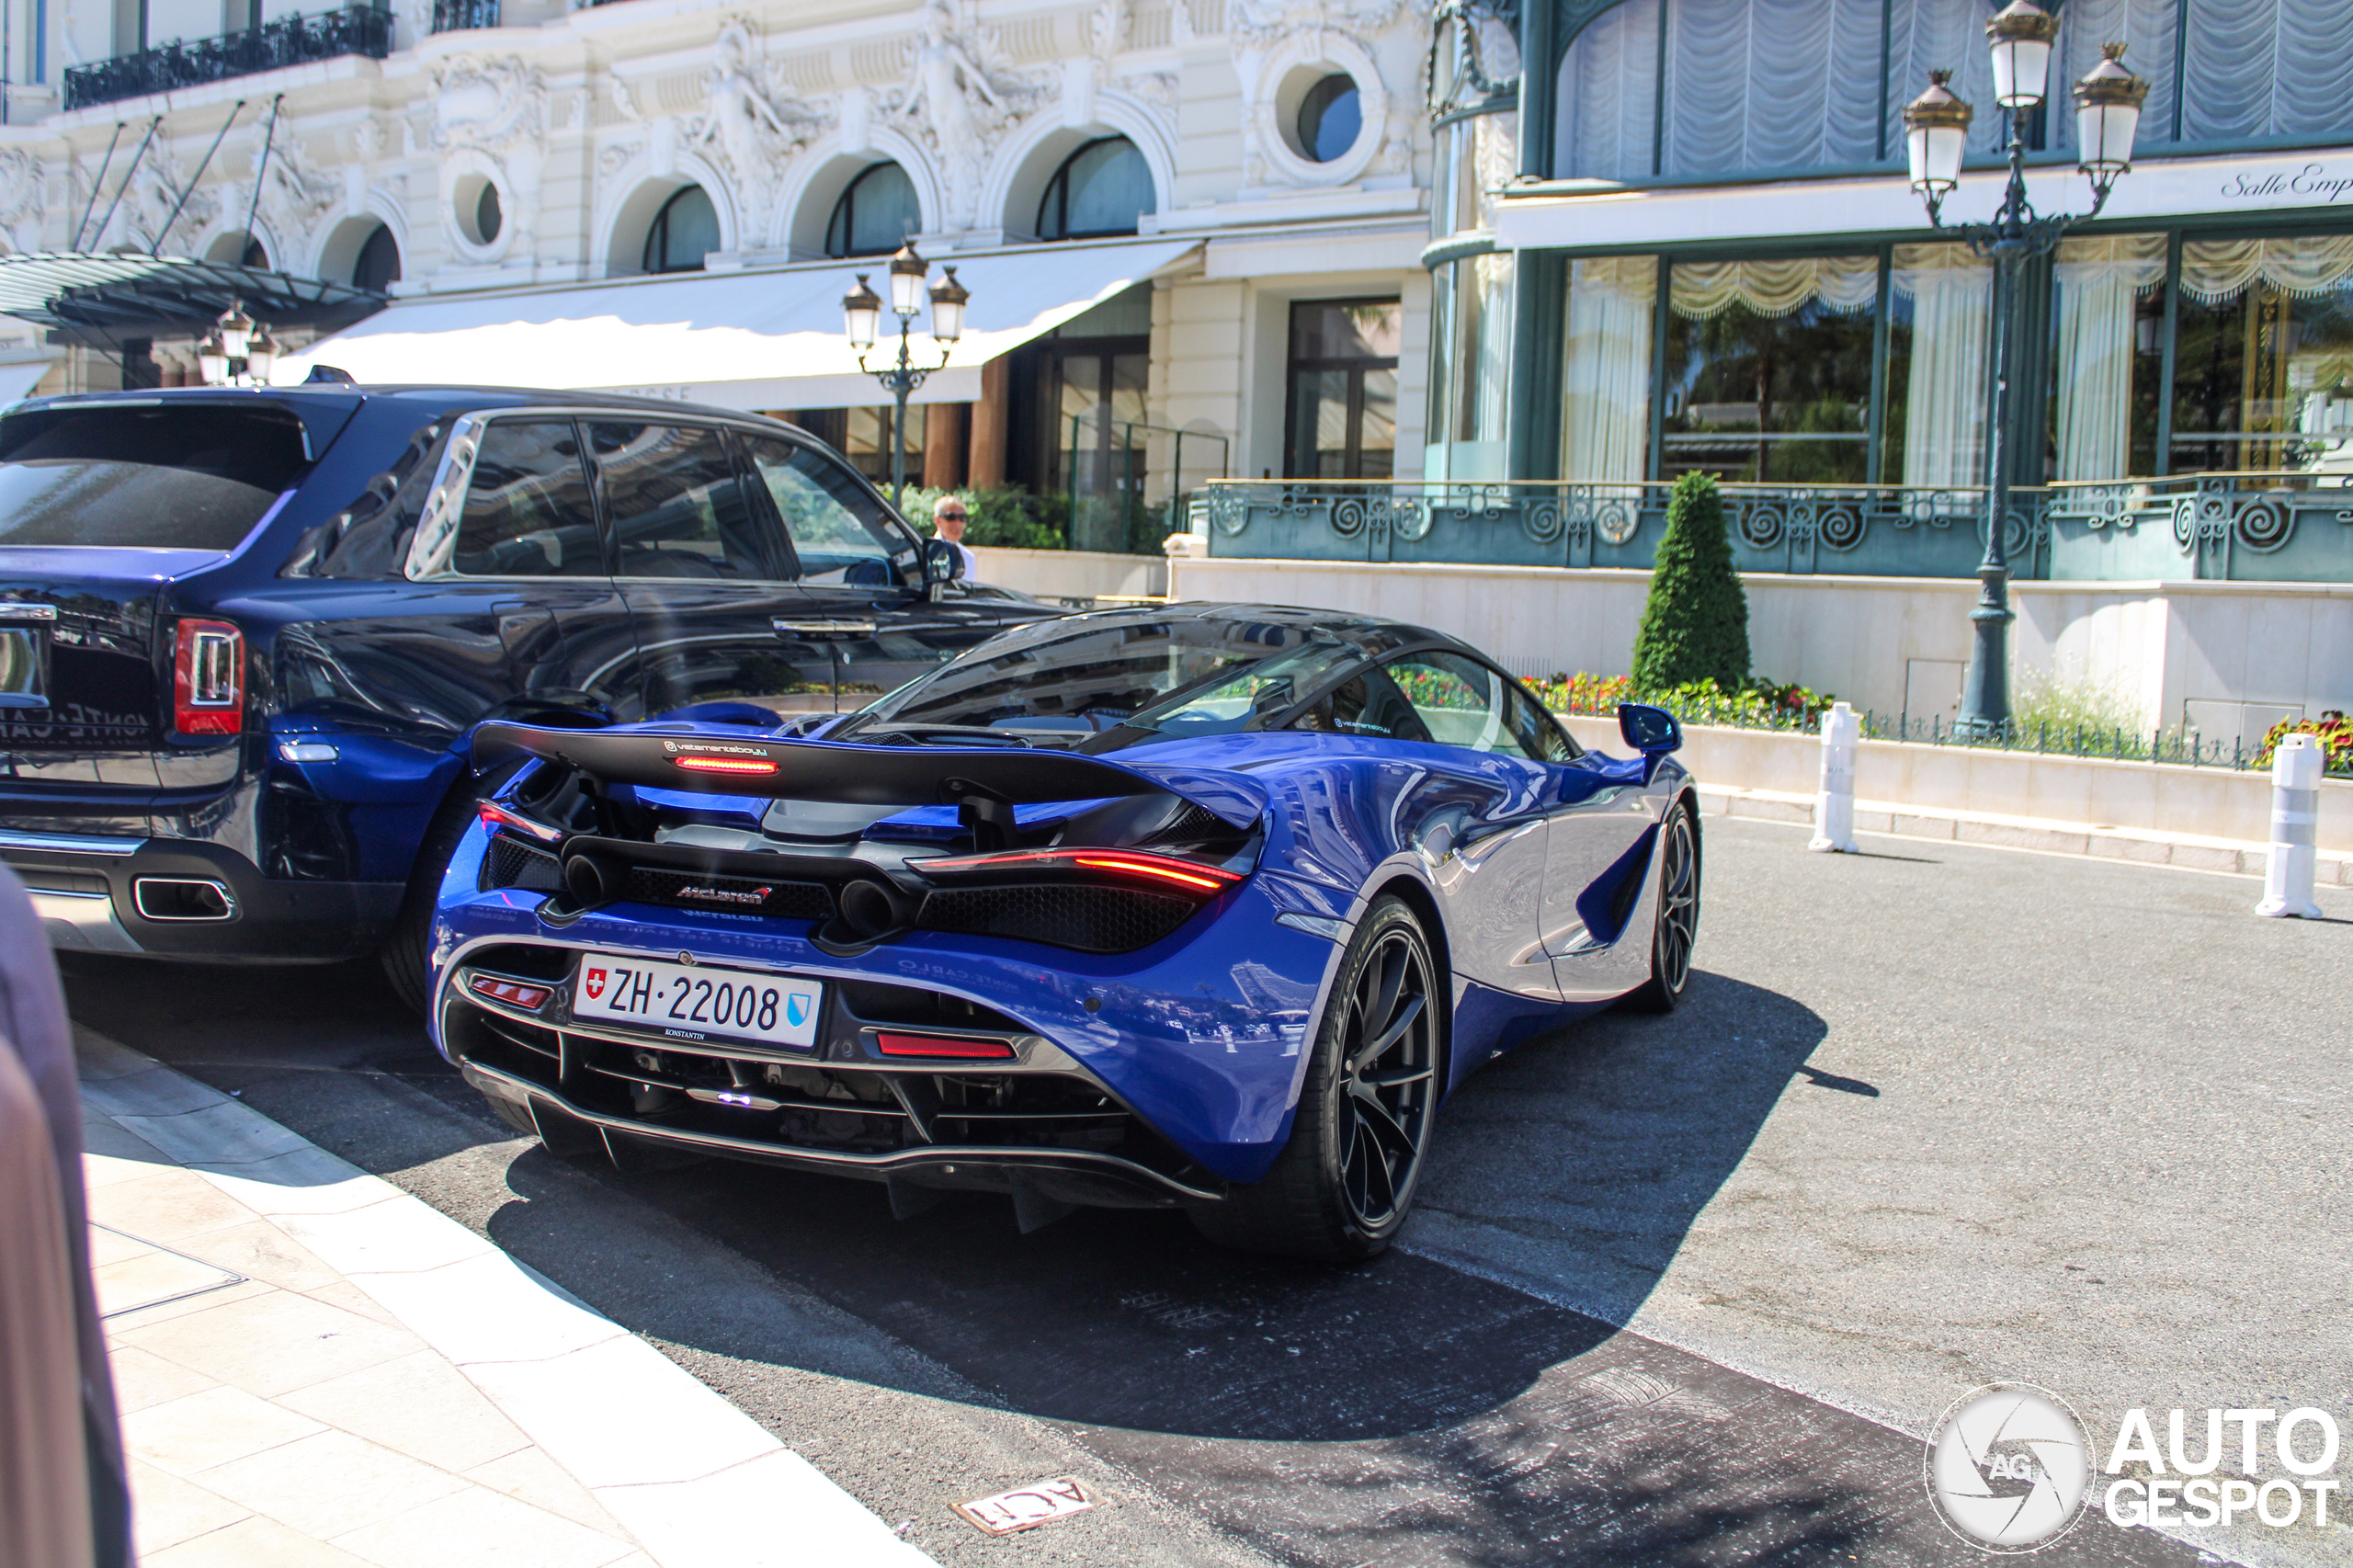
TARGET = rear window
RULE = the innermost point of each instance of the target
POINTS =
(194, 477)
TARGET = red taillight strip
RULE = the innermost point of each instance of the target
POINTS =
(1188, 874)
(493, 814)
(940, 1045)
(207, 678)
(724, 764)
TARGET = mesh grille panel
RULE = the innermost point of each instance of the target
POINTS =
(740, 896)
(510, 864)
(1090, 919)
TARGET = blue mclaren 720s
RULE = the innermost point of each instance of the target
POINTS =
(1199, 906)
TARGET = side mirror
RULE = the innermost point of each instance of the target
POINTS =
(942, 562)
(1651, 731)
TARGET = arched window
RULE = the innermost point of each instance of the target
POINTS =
(875, 215)
(683, 231)
(1100, 190)
(378, 264)
(1330, 117)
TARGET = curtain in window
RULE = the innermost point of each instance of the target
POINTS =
(1471, 310)
(2146, 28)
(1953, 317)
(2098, 282)
(1763, 85)
(1610, 96)
(1775, 287)
(2266, 68)
(1605, 382)
(1940, 35)
(2214, 271)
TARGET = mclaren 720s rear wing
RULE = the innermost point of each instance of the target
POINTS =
(983, 782)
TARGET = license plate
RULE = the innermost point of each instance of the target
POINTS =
(687, 1002)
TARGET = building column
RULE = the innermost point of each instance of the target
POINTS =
(943, 445)
(984, 467)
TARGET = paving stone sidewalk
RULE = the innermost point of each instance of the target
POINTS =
(316, 1369)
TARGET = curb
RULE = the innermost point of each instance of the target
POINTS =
(2188, 851)
(695, 1480)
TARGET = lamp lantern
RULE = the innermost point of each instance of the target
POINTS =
(907, 272)
(948, 300)
(861, 311)
(2020, 35)
(213, 361)
(1936, 131)
(2107, 115)
(235, 330)
(261, 357)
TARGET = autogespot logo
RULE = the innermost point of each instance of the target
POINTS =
(2008, 1468)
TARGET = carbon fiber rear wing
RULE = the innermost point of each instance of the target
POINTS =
(983, 777)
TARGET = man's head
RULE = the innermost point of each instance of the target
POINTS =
(947, 519)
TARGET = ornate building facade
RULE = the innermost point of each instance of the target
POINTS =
(1198, 216)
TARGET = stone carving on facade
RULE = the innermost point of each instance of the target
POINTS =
(24, 199)
(296, 193)
(958, 100)
(156, 190)
(754, 122)
(492, 114)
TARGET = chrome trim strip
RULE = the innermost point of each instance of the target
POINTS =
(75, 842)
(228, 898)
(82, 922)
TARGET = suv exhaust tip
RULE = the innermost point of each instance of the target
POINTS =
(182, 899)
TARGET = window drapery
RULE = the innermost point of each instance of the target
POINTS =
(1609, 104)
(1759, 84)
(2266, 68)
(1774, 287)
(1606, 382)
(2146, 28)
(2216, 270)
(2099, 281)
(1952, 321)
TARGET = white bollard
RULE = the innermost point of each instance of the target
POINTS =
(2295, 828)
(1834, 805)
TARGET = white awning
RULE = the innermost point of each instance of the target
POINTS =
(769, 339)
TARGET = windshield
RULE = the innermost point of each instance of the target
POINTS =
(1100, 686)
(197, 476)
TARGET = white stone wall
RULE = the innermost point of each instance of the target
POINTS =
(587, 120)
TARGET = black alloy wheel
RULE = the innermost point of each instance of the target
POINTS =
(1343, 1185)
(1678, 926)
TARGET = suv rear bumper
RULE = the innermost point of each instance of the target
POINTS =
(184, 899)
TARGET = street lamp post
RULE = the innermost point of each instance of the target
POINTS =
(237, 351)
(862, 312)
(2108, 113)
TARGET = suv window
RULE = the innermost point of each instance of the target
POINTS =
(677, 508)
(197, 476)
(839, 530)
(528, 512)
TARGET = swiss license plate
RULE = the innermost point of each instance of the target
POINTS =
(697, 1004)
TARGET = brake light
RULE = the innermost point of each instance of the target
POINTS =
(737, 765)
(209, 679)
(494, 816)
(943, 1045)
(511, 992)
(1163, 870)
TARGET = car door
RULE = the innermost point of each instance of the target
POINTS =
(1492, 810)
(1597, 858)
(528, 556)
(706, 575)
(860, 613)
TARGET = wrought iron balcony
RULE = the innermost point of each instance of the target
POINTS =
(296, 41)
(2250, 526)
(458, 15)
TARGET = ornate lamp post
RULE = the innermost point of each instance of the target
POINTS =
(2108, 113)
(237, 351)
(862, 312)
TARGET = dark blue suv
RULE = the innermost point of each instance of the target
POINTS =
(242, 633)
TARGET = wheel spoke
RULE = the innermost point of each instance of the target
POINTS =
(1387, 1037)
(1392, 1080)
(1380, 1186)
(1393, 980)
(1374, 1116)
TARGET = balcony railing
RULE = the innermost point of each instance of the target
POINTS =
(296, 41)
(2273, 527)
(458, 16)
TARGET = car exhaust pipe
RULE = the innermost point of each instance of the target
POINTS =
(182, 899)
(587, 882)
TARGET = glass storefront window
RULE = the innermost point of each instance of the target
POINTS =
(1343, 405)
(1606, 369)
(1476, 157)
(2106, 323)
(1471, 336)
(2263, 357)
(1769, 369)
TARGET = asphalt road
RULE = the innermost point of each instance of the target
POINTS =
(1935, 1116)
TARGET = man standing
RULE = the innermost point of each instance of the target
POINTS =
(947, 521)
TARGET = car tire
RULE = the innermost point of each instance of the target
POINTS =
(407, 955)
(1677, 927)
(1343, 1185)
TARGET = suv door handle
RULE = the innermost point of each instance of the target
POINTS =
(822, 628)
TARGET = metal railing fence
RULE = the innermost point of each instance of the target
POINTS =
(292, 40)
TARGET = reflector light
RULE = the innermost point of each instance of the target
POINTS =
(512, 992)
(940, 1045)
(724, 765)
(209, 679)
(495, 815)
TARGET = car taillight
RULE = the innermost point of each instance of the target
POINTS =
(209, 679)
(1135, 868)
(740, 764)
(943, 1046)
(495, 815)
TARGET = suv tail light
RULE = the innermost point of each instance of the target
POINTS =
(209, 679)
